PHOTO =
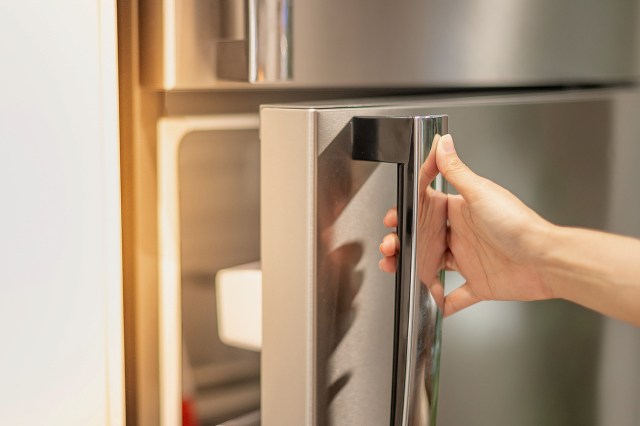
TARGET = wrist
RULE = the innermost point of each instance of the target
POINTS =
(557, 263)
(543, 257)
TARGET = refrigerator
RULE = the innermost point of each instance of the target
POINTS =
(328, 311)
(253, 108)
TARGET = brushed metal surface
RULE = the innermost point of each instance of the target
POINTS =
(377, 43)
(502, 363)
(270, 41)
(488, 43)
(261, 53)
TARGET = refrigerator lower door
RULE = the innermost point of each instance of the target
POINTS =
(329, 342)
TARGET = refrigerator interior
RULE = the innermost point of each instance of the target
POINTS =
(218, 228)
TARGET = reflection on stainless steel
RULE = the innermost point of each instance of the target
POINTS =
(430, 222)
(270, 43)
(422, 224)
(341, 277)
(261, 51)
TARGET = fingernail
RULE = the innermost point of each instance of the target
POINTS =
(380, 247)
(380, 264)
(446, 144)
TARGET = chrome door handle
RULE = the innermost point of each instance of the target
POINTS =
(258, 45)
(419, 295)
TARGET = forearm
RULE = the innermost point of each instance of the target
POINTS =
(598, 270)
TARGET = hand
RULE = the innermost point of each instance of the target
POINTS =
(493, 239)
(431, 227)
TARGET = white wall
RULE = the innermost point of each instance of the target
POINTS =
(60, 274)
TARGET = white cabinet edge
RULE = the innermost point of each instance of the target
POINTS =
(113, 225)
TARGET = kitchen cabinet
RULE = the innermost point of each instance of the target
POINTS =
(61, 361)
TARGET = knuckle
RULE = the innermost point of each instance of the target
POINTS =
(455, 166)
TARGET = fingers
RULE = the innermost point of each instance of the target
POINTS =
(388, 264)
(390, 245)
(460, 298)
(391, 218)
(467, 183)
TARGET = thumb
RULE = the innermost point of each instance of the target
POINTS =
(455, 171)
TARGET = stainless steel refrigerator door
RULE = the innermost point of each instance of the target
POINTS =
(328, 311)
(460, 43)
(204, 44)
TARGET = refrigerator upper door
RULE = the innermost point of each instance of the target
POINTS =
(203, 44)
(328, 311)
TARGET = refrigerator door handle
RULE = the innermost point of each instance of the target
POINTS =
(258, 45)
(419, 292)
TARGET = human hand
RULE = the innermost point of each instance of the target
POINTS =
(493, 239)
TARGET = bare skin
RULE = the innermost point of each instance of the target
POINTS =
(505, 251)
